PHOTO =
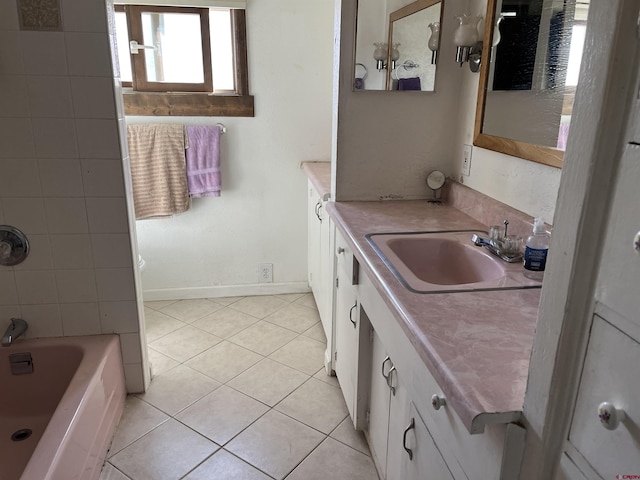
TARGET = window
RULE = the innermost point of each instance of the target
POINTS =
(183, 60)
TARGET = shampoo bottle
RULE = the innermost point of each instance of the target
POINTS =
(535, 252)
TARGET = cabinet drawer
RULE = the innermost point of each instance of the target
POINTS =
(610, 374)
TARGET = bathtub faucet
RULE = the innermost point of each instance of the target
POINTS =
(17, 328)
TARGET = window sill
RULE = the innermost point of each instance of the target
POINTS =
(187, 104)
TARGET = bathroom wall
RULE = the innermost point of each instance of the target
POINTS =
(61, 182)
(215, 248)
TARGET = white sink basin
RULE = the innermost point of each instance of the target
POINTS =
(430, 262)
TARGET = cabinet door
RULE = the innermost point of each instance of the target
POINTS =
(379, 400)
(346, 335)
(426, 462)
(398, 424)
(313, 237)
(325, 272)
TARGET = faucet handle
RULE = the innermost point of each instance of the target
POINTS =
(506, 227)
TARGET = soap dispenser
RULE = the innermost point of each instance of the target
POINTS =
(535, 252)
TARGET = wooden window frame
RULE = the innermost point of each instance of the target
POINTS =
(236, 103)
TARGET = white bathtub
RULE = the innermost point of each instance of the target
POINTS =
(71, 403)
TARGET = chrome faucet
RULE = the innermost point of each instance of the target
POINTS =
(16, 329)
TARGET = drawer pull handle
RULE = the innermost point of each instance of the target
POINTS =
(340, 250)
(610, 416)
(355, 305)
(411, 426)
(392, 370)
(438, 402)
(386, 375)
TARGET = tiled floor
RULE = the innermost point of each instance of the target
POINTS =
(239, 393)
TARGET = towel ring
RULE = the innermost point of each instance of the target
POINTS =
(407, 65)
(366, 72)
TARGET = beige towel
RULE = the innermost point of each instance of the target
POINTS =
(158, 169)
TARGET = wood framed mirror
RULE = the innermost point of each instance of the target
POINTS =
(528, 77)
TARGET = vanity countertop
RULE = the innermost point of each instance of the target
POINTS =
(477, 345)
(320, 175)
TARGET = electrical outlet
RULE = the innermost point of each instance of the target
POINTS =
(265, 273)
(466, 160)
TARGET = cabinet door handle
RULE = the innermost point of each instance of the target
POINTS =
(340, 250)
(355, 305)
(392, 370)
(411, 426)
(610, 416)
(317, 210)
(437, 402)
(386, 375)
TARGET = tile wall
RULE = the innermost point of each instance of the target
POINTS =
(62, 182)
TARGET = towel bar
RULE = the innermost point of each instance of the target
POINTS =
(223, 129)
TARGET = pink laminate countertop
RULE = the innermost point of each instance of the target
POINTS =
(320, 175)
(475, 344)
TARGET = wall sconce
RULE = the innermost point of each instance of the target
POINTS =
(395, 55)
(434, 41)
(380, 55)
(466, 36)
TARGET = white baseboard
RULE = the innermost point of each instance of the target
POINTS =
(224, 291)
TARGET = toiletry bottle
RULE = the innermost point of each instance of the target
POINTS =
(535, 252)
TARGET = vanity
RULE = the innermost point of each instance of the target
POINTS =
(435, 380)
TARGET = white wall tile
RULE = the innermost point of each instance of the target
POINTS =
(119, 317)
(61, 177)
(107, 215)
(80, 318)
(43, 320)
(66, 215)
(131, 349)
(43, 53)
(39, 257)
(103, 178)
(36, 287)
(98, 138)
(8, 16)
(10, 52)
(19, 178)
(8, 292)
(26, 214)
(88, 54)
(16, 137)
(115, 284)
(84, 16)
(14, 101)
(55, 137)
(134, 381)
(7, 312)
(72, 251)
(112, 250)
(50, 96)
(76, 286)
(93, 97)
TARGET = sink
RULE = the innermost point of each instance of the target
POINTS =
(437, 262)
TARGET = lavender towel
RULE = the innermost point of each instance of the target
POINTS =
(203, 160)
(409, 83)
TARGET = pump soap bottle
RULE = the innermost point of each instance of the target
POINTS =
(535, 252)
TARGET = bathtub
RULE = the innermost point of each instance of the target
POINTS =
(56, 423)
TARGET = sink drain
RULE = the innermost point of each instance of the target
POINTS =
(21, 435)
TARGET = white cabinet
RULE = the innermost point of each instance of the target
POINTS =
(320, 233)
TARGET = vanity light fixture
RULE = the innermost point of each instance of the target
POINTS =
(395, 54)
(434, 41)
(380, 55)
(466, 36)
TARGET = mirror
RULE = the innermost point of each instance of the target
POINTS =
(394, 45)
(529, 76)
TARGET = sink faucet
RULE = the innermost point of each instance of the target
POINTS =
(17, 328)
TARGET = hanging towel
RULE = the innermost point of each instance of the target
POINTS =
(158, 169)
(409, 83)
(203, 160)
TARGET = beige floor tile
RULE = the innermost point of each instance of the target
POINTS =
(348, 435)
(316, 404)
(222, 414)
(226, 301)
(294, 317)
(290, 297)
(317, 333)
(168, 452)
(225, 322)
(224, 361)
(323, 377)
(109, 472)
(189, 311)
(185, 343)
(177, 389)
(160, 363)
(302, 353)
(260, 306)
(224, 466)
(157, 324)
(336, 461)
(275, 444)
(263, 337)
(159, 304)
(138, 419)
(268, 381)
(308, 301)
